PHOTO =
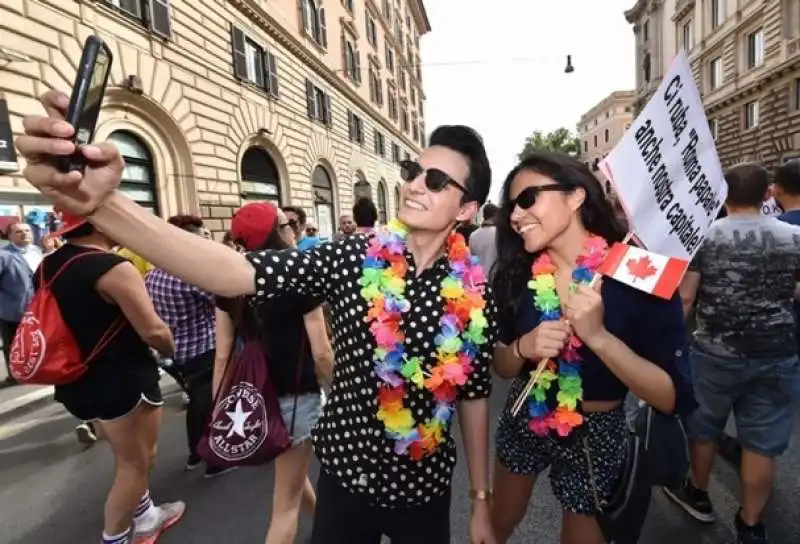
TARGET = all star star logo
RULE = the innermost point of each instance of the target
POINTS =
(28, 349)
(239, 425)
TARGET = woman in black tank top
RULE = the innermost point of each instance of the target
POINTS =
(119, 390)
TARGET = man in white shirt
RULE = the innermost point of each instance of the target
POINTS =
(482, 242)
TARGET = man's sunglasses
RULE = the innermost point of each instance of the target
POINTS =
(435, 179)
(528, 196)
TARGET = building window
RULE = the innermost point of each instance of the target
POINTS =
(607, 135)
(796, 94)
(404, 120)
(687, 35)
(646, 31)
(253, 64)
(401, 78)
(715, 73)
(395, 153)
(413, 97)
(755, 49)
(356, 127)
(586, 145)
(713, 126)
(595, 140)
(393, 110)
(372, 31)
(387, 10)
(414, 130)
(138, 178)
(382, 205)
(362, 188)
(349, 5)
(323, 201)
(422, 134)
(260, 178)
(314, 24)
(318, 103)
(751, 115)
(389, 57)
(396, 200)
(157, 16)
(380, 144)
(375, 87)
(352, 60)
(717, 13)
(791, 19)
(407, 156)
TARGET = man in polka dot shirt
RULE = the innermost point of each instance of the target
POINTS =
(366, 489)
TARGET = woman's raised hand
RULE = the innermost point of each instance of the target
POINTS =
(545, 341)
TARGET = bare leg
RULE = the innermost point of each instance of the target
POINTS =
(291, 476)
(703, 455)
(580, 529)
(512, 492)
(757, 473)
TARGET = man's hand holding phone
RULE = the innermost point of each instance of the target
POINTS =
(48, 138)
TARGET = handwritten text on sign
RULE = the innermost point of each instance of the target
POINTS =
(666, 171)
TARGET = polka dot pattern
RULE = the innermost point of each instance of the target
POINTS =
(349, 440)
(521, 451)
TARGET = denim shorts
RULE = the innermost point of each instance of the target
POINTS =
(309, 406)
(760, 392)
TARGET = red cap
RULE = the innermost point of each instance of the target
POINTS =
(69, 222)
(253, 223)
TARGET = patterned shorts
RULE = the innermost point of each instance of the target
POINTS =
(603, 434)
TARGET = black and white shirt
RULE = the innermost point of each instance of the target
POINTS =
(349, 440)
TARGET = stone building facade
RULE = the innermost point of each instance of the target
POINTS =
(303, 102)
(602, 127)
(745, 55)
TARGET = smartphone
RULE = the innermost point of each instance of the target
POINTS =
(87, 98)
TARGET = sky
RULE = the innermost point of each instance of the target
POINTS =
(501, 71)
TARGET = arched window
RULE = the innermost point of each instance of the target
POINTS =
(396, 201)
(260, 178)
(382, 207)
(323, 201)
(361, 188)
(138, 178)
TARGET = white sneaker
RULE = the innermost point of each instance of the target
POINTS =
(169, 513)
(86, 434)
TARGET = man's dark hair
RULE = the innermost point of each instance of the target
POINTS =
(747, 185)
(467, 141)
(365, 214)
(189, 223)
(299, 212)
(489, 211)
(86, 229)
(787, 177)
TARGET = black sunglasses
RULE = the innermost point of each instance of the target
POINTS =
(528, 196)
(435, 179)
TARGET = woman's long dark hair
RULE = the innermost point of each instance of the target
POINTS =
(512, 269)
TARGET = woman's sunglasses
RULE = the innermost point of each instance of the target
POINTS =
(435, 179)
(528, 196)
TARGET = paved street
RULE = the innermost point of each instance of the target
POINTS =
(52, 490)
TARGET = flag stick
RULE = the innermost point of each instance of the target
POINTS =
(537, 373)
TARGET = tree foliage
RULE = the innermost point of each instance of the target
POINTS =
(560, 140)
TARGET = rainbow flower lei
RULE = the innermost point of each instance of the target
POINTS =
(566, 371)
(461, 332)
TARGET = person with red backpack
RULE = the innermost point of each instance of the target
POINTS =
(88, 331)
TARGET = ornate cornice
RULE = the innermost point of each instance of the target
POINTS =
(421, 15)
(347, 24)
(682, 8)
(634, 14)
(790, 66)
(274, 28)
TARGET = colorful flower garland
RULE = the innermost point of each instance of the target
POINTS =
(567, 369)
(460, 334)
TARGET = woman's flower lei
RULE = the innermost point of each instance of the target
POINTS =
(461, 332)
(566, 370)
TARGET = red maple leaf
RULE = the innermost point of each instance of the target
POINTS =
(641, 268)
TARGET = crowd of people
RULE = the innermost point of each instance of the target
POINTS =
(404, 326)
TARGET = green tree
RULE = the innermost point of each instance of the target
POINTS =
(560, 140)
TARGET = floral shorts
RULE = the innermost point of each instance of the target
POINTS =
(601, 439)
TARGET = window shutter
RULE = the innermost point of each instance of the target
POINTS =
(346, 59)
(160, 18)
(357, 67)
(350, 123)
(310, 99)
(328, 111)
(271, 75)
(322, 39)
(303, 17)
(239, 56)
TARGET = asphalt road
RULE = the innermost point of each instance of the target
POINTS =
(52, 490)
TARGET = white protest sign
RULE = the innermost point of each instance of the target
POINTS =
(770, 207)
(666, 170)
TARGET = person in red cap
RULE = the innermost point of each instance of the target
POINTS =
(384, 440)
(119, 391)
(293, 333)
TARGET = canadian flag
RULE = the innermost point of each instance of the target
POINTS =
(644, 270)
